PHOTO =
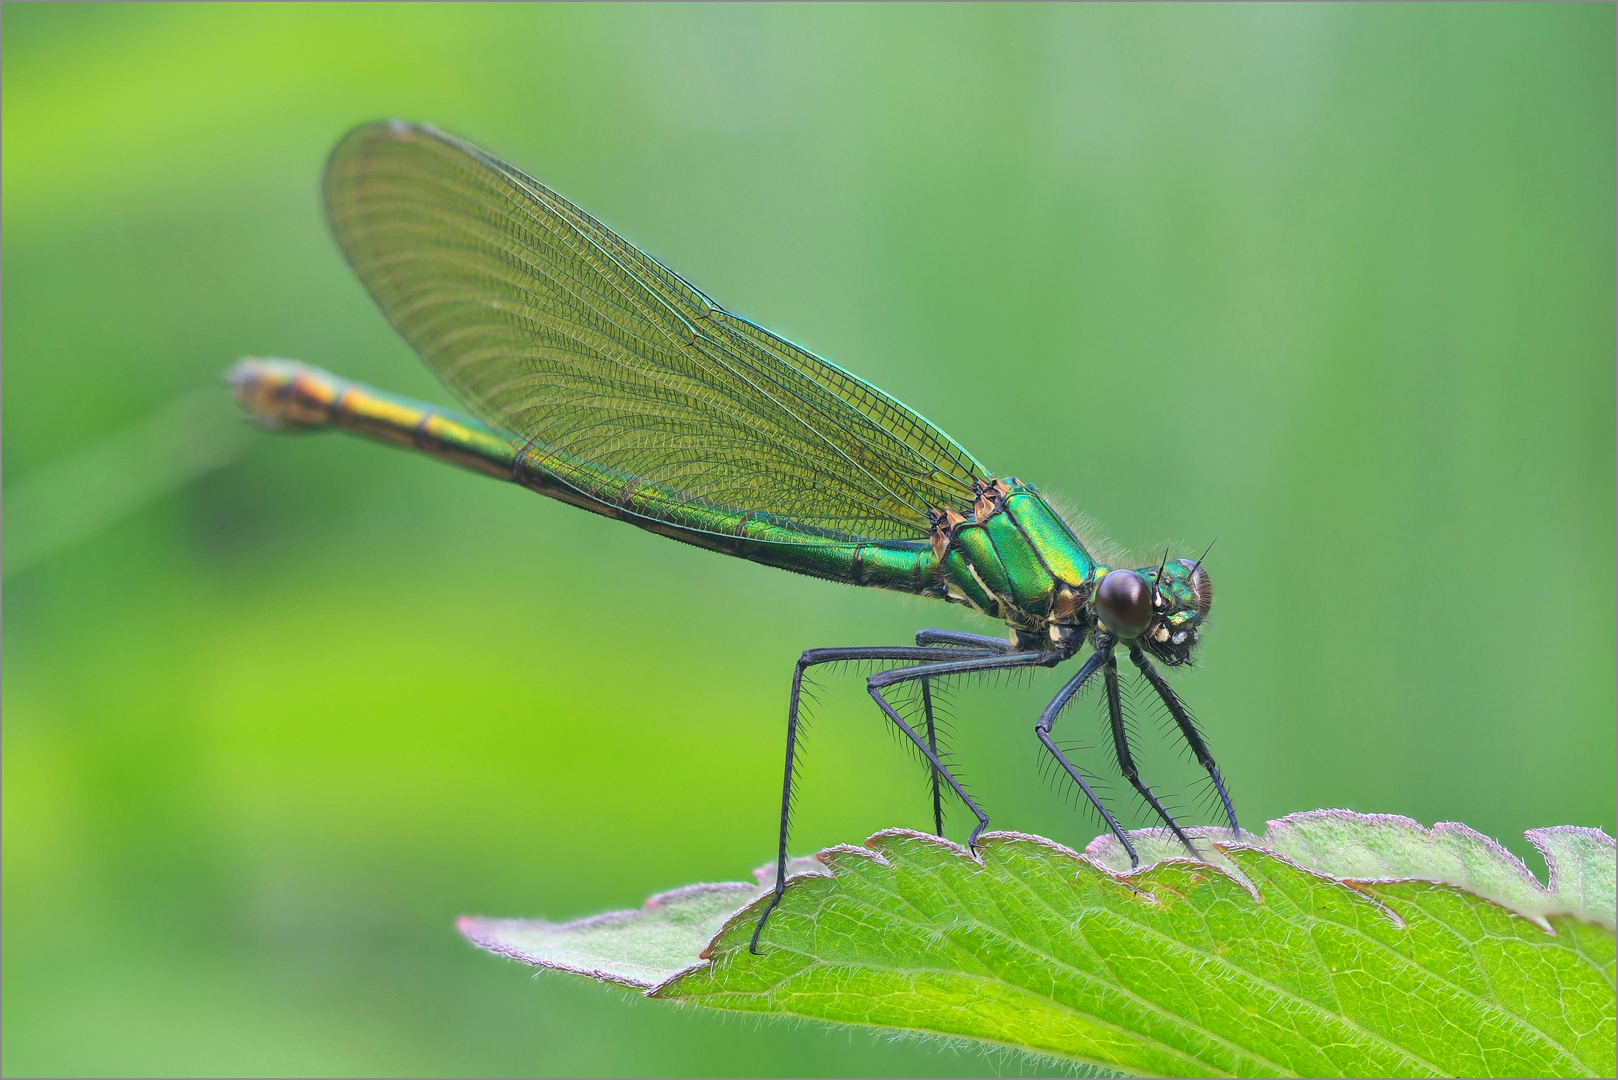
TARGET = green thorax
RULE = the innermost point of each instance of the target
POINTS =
(1014, 558)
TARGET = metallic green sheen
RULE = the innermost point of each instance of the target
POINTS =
(284, 393)
(958, 573)
(1175, 585)
(1031, 585)
(1049, 535)
(904, 566)
(980, 552)
(1018, 554)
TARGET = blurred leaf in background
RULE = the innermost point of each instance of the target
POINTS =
(1332, 283)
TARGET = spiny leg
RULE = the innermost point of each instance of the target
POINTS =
(876, 683)
(956, 639)
(808, 660)
(932, 744)
(1126, 760)
(963, 640)
(1188, 728)
(1047, 720)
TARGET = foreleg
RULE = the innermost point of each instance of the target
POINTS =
(1126, 760)
(1047, 720)
(1188, 728)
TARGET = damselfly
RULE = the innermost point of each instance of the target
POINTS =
(602, 378)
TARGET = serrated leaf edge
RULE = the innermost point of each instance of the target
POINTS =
(480, 931)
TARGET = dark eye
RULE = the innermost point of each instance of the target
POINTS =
(1124, 603)
(1201, 586)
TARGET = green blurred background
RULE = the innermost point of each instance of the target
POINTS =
(1333, 284)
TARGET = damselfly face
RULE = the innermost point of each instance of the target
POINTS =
(1160, 608)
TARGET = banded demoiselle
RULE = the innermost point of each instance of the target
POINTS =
(599, 377)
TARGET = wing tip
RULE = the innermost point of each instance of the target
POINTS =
(396, 131)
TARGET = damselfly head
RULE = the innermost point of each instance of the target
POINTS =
(1163, 607)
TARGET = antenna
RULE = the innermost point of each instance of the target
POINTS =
(1157, 582)
(1204, 554)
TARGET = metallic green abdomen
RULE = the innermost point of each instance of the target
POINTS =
(287, 394)
(1014, 558)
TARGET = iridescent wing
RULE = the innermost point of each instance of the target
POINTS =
(547, 324)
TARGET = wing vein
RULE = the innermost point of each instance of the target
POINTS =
(612, 370)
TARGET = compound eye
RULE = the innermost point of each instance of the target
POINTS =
(1124, 603)
(1201, 586)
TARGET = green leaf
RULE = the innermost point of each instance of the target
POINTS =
(642, 949)
(1342, 945)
